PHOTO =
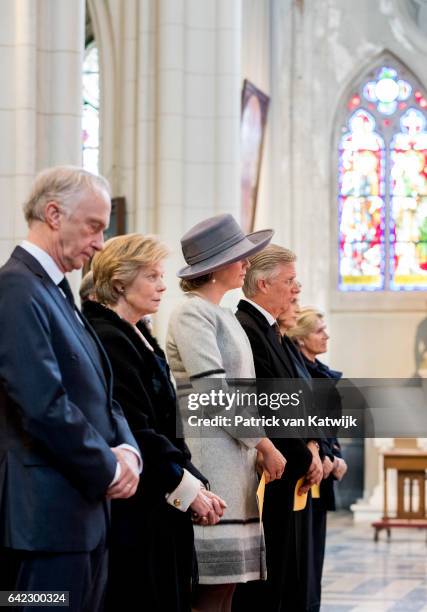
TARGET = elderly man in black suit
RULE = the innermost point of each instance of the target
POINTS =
(269, 287)
(65, 446)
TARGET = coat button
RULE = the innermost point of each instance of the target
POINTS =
(177, 502)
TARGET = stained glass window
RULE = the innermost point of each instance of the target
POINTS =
(382, 185)
(361, 203)
(90, 119)
(408, 190)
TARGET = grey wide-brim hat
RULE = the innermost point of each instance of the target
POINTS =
(216, 242)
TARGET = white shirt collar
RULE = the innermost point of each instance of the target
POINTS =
(271, 320)
(45, 260)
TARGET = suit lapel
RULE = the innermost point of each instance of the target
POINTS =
(270, 335)
(87, 341)
(89, 344)
(281, 353)
(107, 371)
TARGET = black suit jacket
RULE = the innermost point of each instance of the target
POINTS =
(287, 533)
(273, 360)
(57, 417)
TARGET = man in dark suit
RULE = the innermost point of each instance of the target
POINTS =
(269, 287)
(65, 446)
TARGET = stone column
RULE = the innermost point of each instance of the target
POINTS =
(176, 119)
(40, 99)
(198, 163)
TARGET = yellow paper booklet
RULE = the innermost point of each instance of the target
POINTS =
(300, 501)
(260, 495)
(315, 491)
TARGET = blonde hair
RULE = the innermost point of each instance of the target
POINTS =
(120, 261)
(264, 265)
(86, 287)
(306, 323)
(64, 185)
(282, 316)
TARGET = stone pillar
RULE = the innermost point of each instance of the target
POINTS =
(198, 161)
(176, 120)
(40, 99)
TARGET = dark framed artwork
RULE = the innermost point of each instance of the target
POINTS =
(255, 105)
(117, 225)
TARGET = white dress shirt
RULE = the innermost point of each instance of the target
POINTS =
(271, 320)
(52, 270)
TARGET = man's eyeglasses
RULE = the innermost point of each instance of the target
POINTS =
(289, 282)
(292, 282)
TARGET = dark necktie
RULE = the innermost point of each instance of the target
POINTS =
(276, 329)
(65, 286)
(89, 335)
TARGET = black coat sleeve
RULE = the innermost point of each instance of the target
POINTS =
(296, 452)
(163, 461)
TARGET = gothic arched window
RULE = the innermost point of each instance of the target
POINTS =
(90, 118)
(382, 184)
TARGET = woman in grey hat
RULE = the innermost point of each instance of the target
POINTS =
(204, 341)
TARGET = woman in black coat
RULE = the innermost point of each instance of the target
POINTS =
(151, 541)
(310, 335)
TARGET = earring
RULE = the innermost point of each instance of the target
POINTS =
(213, 281)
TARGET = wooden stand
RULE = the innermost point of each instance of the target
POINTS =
(411, 466)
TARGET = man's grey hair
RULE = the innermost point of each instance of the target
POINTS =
(264, 265)
(64, 185)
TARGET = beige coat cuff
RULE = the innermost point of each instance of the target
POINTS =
(185, 493)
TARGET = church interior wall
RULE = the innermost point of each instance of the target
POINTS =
(317, 49)
(170, 128)
(170, 120)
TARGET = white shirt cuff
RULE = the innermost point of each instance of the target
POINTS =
(133, 450)
(118, 472)
(185, 493)
(116, 475)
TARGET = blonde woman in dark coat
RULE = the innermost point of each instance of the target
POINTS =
(151, 543)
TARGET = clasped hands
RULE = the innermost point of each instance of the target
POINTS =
(129, 475)
(320, 470)
(207, 508)
(339, 468)
(315, 472)
(270, 460)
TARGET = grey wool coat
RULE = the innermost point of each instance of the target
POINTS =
(206, 340)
